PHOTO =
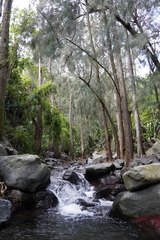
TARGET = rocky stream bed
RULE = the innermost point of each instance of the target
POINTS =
(54, 199)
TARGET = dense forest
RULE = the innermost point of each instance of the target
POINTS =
(80, 75)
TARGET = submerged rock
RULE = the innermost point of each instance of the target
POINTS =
(72, 177)
(84, 203)
(46, 199)
(24, 172)
(5, 211)
(142, 176)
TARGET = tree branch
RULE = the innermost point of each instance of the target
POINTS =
(109, 74)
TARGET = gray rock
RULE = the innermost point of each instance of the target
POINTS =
(11, 151)
(103, 193)
(142, 176)
(98, 157)
(3, 151)
(154, 149)
(46, 199)
(138, 204)
(51, 162)
(6, 148)
(109, 180)
(5, 210)
(24, 172)
(72, 177)
(84, 203)
(120, 162)
(94, 172)
(22, 199)
(118, 175)
(117, 165)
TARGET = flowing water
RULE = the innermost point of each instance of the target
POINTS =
(69, 220)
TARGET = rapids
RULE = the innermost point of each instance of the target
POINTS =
(71, 220)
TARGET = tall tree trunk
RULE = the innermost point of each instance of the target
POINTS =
(52, 97)
(4, 66)
(1, 3)
(117, 98)
(81, 133)
(108, 144)
(126, 116)
(37, 122)
(71, 126)
(140, 148)
(112, 125)
(157, 96)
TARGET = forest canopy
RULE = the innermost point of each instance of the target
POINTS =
(80, 75)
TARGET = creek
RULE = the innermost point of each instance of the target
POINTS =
(70, 220)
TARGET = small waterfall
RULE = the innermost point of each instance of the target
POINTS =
(77, 200)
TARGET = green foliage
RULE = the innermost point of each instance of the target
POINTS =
(21, 138)
(57, 130)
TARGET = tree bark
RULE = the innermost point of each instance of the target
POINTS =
(117, 98)
(71, 126)
(81, 134)
(108, 144)
(126, 116)
(140, 148)
(37, 122)
(4, 65)
(112, 125)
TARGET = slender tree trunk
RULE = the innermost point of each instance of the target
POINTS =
(71, 126)
(108, 144)
(157, 96)
(52, 97)
(117, 98)
(140, 148)
(81, 133)
(1, 2)
(38, 126)
(4, 66)
(126, 116)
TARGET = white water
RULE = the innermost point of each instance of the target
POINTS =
(69, 194)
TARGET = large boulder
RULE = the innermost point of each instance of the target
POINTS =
(95, 171)
(24, 172)
(137, 204)
(154, 149)
(5, 210)
(142, 176)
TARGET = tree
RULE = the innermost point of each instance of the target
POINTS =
(5, 11)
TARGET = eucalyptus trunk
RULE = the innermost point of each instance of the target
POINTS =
(71, 126)
(37, 122)
(81, 134)
(124, 101)
(5, 11)
(107, 140)
(140, 148)
(119, 115)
